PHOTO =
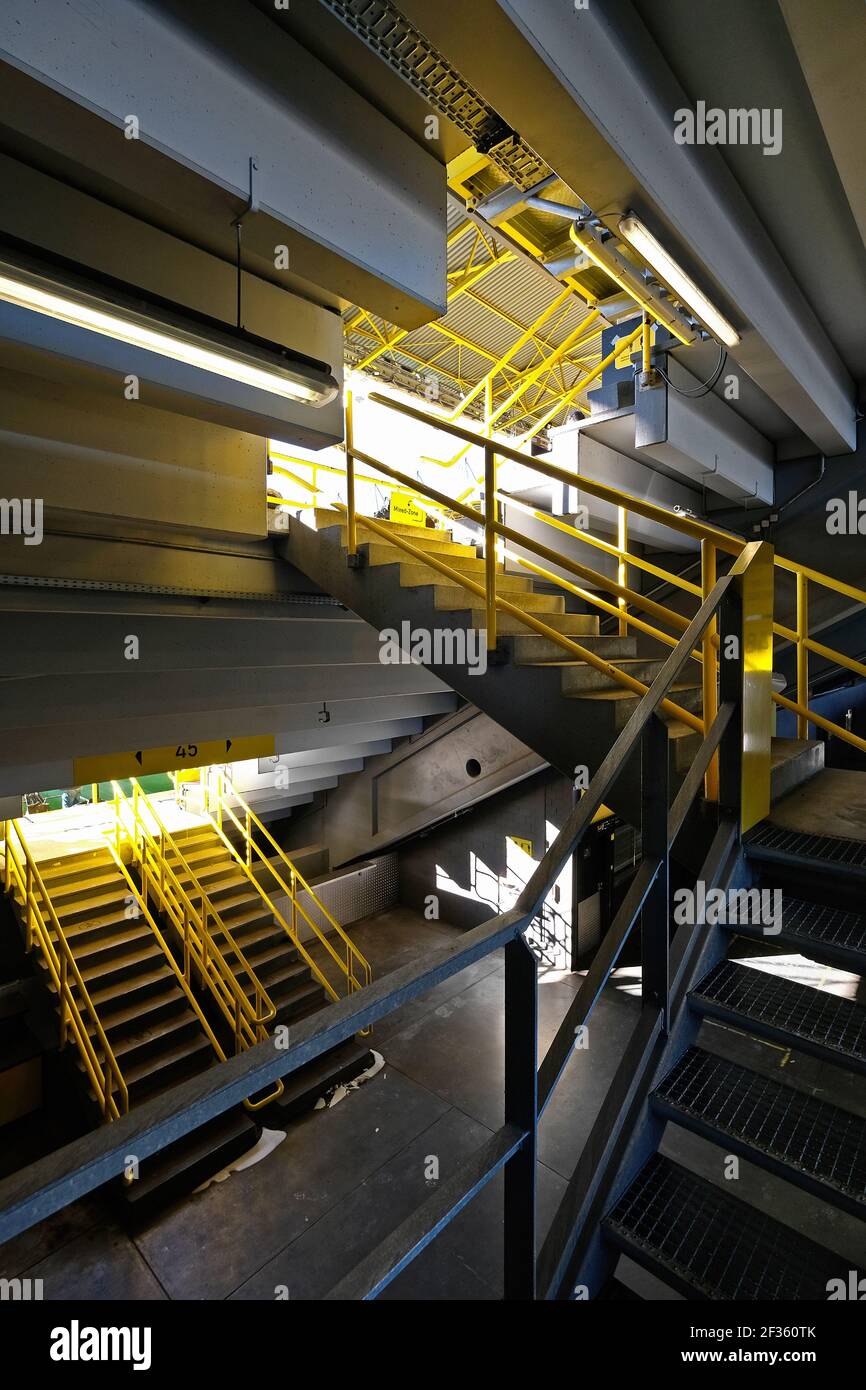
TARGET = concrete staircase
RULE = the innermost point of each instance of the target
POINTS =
(150, 1025)
(561, 707)
(153, 1031)
(202, 855)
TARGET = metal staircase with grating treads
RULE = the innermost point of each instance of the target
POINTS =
(692, 1231)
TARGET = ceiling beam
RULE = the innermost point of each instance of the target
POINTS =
(596, 101)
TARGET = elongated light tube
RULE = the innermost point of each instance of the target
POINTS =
(682, 285)
(187, 346)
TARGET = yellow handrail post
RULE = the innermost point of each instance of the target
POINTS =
(802, 652)
(490, 542)
(29, 906)
(352, 527)
(622, 567)
(754, 574)
(64, 987)
(710, 667)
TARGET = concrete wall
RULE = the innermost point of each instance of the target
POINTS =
(457, 761)
(83, 450)
(472, 869)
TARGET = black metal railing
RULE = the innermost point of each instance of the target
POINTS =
(62, 1177)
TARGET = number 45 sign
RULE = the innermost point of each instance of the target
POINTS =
(142, 762)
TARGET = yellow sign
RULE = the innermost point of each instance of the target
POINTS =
(143, 762)
(525, 845)
(406, 510)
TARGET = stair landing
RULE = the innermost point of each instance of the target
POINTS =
(832, 803)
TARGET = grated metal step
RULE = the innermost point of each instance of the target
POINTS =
(774, 844)
(772, 1007)
(808, 1141)
(708, 1244)
(827, 934)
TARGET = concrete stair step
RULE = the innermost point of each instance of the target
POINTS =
(684, 742)
(261, 955)
(73, 890)
(414, 576)
(199, 858)
(580, 676)
(110, 903)
(571, 624)
(97, 866)
(80, 933)
(623, 703)
(124, 1015)
(165, 1068)
(542, 651)
(304, 1087)
(108, 944)
(295, 1002)
(450, 598)
(151, 979)
(382, 553)
(182, 1166)
(119, 968)
(155, 1035)
(251, 924)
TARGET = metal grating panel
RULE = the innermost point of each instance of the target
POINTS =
(782, 1008)
(356, 893)
(716, 1244)
(816, 1139)
(814, 925)
(768, 841)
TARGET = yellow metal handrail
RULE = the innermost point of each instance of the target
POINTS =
(42, 926)
(198, 924)
(712, 540)
(220, 794)
(317, 490)
(141, 904)
(529, 619)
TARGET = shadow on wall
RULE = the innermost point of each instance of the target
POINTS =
(475, 867)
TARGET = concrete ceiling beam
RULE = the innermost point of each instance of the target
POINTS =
(207, 86)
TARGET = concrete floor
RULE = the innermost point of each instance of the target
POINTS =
(345, 1177)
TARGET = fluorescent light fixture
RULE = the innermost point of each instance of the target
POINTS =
(625, 274)
(676, 279)
(212, 350)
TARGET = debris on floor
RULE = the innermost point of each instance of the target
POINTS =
(340, 1091)
(269, 1140)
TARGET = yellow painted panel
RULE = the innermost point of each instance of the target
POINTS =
(755, 568)
(142, 762)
